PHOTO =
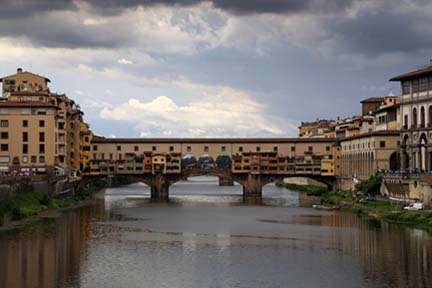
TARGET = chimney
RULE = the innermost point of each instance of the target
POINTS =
(19, 70)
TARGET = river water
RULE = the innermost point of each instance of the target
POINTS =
(207, 236)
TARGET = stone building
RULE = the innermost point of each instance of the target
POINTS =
(416, 117)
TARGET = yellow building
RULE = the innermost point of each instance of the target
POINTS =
(330, 164)
(40, 130)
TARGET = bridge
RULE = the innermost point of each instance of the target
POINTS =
(253, 163)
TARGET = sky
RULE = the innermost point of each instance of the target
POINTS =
(220, 68)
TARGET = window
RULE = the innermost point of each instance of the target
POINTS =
(223, 148)
(258, 149)
(4, 123)
(41, 111)
(94, 156)
(86, 139)
(4, 147)
(25, 149)
(95, 147)
(206, 148)
(154, 148)
(111, 156)
(118, 148)
(415, 86)
(136, 148)
(188, 149)
(42, 148)
(292, 148)
(4, 159)
(405, 122)
(406, 87)
(41, 123)
(25, 123)
(3, 111)
(41, 137)
(4, 135)
(33, 159)
(382, 144)
(310, 148)
(103, 156)
(25, 159)
(25, 111)
(240, 149)
(41, 159)
(275, 149)
(423, 85)
(41, 99)
(328, 148)
(9, 82)
(171, 148)
(25, 137)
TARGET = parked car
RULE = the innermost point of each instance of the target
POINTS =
(414, 206)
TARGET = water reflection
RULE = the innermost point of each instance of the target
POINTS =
(199, 240)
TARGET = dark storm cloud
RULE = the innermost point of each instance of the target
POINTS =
(386, 26)
(25, 8)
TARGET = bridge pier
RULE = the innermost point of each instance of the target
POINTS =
(226, 181)
(159, 187)
(252, 186)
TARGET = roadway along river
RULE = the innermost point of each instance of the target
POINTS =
(207, 237)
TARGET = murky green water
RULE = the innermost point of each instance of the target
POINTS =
(207, 237)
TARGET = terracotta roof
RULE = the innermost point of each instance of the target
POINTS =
(48, 80)
(97, 139)
(373, 133)
(27, 104)
(422, 71)
(373, 100)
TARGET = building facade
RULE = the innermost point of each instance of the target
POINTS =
(39, 130)
(416, 118)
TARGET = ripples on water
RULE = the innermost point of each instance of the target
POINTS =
(207, 236)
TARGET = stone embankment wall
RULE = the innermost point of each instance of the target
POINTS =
(303, 181)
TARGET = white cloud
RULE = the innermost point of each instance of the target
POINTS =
(125, 61)
(229, 113)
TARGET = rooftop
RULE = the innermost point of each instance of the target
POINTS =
(422, 71)
(373, 100)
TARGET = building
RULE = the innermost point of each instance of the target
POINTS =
(367, 154)
(387, 116)
(40, 131)
(370, 105)
(416, 117)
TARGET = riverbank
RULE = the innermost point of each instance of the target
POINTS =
(382, 209)
(27, 203)
(309, 189)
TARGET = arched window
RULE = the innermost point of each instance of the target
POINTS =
(414, 118)
(422, 117)
(430, 116)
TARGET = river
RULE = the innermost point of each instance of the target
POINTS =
(207, 236)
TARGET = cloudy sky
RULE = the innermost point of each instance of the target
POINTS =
(220, 68)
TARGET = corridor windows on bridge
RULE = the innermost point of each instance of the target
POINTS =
(292, 148)
(95, 147)
(111, 156)
(171, 148)
(240, 149)
(136, 148)
(118, 148)
(327, 148)
(189, 149)
(94, 156)
(206, 149)
(275, 149)
(258, 149)
(154, 148)
(223, 148)
(382, 144)
(310, 148)
(103, 156)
